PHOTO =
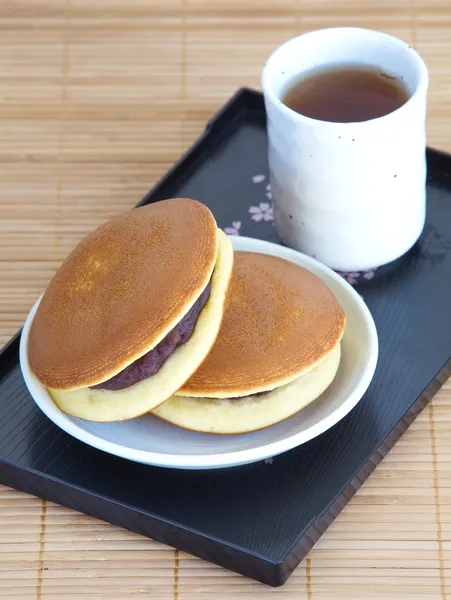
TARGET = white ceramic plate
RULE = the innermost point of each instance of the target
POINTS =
(152, 441)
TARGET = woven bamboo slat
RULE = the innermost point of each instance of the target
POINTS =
(97, 100)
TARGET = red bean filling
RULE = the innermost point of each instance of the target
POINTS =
(150, 363)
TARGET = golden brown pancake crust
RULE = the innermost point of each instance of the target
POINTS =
(120, 291)
(280, 321)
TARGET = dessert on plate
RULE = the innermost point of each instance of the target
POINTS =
(133, 311)
(278, 349)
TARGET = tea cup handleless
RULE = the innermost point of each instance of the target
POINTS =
(351, 195)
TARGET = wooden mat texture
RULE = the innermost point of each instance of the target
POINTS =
(97, 99)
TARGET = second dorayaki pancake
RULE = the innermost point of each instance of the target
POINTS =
(120, 291)
(280, 321)
(242, 415)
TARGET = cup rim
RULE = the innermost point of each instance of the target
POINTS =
(269, 93)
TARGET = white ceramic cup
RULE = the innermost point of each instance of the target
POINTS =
(351, 195)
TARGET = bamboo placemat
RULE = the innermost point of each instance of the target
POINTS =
(97, 99)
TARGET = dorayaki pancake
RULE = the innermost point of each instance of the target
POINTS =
(122, 293)
(250, 413)
(102, 405)
(280, 322)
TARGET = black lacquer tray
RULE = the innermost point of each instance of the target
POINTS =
(261, 519)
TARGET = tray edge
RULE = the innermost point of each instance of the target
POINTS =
(149, 525)
(319, 525)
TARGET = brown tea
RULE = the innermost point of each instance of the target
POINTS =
(346, 93)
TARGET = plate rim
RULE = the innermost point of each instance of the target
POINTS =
(220, 459)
